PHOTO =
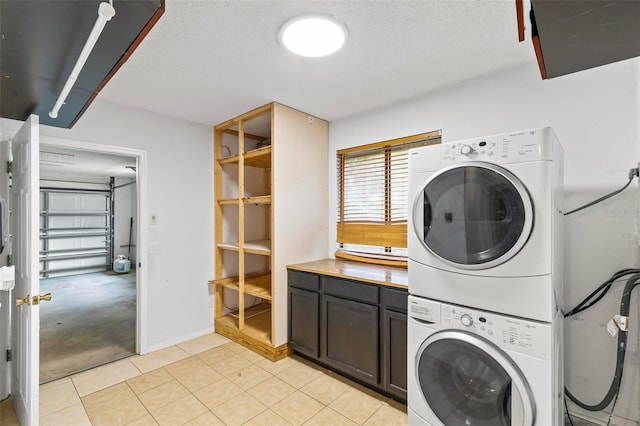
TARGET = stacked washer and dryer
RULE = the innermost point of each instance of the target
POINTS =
(485, 281)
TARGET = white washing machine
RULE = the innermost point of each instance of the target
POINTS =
(485, 223)
(473, 368)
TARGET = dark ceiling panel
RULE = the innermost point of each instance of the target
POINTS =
(41, 41)
(579, 34)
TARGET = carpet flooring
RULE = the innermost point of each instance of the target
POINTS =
(90, 321)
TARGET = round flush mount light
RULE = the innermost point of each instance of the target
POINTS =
(313, 35)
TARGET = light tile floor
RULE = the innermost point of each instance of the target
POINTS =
(212, 381)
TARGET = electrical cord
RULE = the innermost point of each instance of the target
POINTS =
(632, 173)
(614, 388)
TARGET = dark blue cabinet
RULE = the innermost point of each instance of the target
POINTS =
(353, 327)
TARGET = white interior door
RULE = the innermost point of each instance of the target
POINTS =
(6, 298)
(24, 253)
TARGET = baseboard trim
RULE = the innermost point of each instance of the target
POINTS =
(177, 340)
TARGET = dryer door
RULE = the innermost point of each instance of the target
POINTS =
(473, 215)
(467, 380)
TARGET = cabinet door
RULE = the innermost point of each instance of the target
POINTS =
(395, 353)
(304, 327)
(350, 338)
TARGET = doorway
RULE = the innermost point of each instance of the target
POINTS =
(90, 205)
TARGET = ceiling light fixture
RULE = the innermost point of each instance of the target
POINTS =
(313, 36)
(105, 13)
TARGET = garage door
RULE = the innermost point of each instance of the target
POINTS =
(76, 231)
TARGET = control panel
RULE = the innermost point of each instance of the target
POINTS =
(528, 145)
(483, 149)
(514, 334)
(460, 318)
(423, 310)
(527, 337)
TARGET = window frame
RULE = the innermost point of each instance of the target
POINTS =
(387, 234)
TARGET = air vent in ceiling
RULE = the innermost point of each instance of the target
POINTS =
(55, 157)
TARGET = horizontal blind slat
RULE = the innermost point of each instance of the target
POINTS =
(373, 193)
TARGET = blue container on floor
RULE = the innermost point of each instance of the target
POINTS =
(121, 265)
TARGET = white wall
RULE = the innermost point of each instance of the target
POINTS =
(180, 192)
(595, 116)
(125, 206)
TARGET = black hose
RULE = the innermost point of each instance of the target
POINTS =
(621, 352)
(603, 289)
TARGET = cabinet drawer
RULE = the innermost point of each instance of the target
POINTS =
(395, 299)
(353, 290)
(304, 280)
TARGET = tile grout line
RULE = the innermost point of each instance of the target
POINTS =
(141, 403)
(374, 413)
(322, 371)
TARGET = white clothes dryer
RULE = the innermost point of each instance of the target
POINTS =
(470, 367)
(485, 228)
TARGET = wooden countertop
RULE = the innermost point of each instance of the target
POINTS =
(377, 274)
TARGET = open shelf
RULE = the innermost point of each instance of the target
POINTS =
(256, 334)
(262, 247)
(228, 201)
(258, 285)
(245, 180)
(257, 327)
(258, 247)
(233, 159)
(260, 157)
(261, 199)
(234, 246)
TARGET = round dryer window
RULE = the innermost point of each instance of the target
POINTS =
(473, 215)
(466, 380)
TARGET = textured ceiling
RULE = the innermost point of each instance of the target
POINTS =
(207, 61)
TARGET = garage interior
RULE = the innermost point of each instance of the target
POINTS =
(88, 213)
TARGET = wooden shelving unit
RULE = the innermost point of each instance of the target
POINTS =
(249, 274)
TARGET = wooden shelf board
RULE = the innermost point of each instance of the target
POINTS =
(260, 199)
(229, 201)
(258, 285)
(258, 247)
(229, 246)
(262, 247)
(260, 157)
(255, 336)
(258, 251)
(233, 285)
(233, 159)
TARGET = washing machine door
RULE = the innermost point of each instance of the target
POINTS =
(473, 215)
(467, 380)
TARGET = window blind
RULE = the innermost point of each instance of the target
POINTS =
(372, 196)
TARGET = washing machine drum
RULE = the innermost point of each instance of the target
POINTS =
(474, 215)
(466, 380)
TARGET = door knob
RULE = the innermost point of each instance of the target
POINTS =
(37, 299)
(25, 301)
